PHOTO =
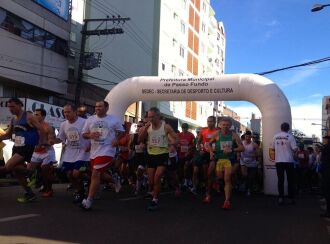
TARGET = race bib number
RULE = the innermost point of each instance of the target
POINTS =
(19, 141)
(301, 155)
(138, 149)
(155, 141)
(226, 145)
(184, 148)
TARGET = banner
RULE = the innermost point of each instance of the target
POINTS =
(58, 7)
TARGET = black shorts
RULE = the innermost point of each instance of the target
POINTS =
(173, 164)
(139, 159)
(24, 151)
(153, 161)
(200, 160)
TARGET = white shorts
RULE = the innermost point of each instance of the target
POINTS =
(44, 158)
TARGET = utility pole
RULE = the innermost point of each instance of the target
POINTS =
(84, 34)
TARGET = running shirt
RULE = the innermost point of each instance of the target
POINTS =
(207, 134)
(157, 140)
(186, 141)
(223, 143)
(107, 127)
(248, 156)
(284, 145)
(123, 146)
(75, 144)
(23, 133)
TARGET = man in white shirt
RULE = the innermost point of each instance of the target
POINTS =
(103, 130)
(284, 145)
(75, 154)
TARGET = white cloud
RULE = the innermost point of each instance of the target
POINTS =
(303, 115)
(273, 23)
(298, 77)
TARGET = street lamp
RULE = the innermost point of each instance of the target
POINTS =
(318, 7)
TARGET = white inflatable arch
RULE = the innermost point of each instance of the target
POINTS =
(262, 92)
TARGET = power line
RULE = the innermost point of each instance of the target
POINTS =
(295, 66)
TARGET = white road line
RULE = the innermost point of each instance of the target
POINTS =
(141, 197)
(18, 217)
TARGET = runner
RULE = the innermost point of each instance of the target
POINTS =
(103, 130)
(139, 157)
(158, 133)
(248, 162)
(223, 156)
(44, 155)
(124, 155)
(202, 160)
(23, 129)
(186, 152)
(76, 151)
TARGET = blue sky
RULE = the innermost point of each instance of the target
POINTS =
(263, 35)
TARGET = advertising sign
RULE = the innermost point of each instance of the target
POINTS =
(58, 7)
(54, 116)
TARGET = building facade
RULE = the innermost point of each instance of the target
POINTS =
(33, 60)
(170, 39)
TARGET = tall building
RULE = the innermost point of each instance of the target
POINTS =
(33, 59)
(170, 39)
(325, 116)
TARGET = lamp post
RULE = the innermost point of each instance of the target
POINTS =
(318, 7)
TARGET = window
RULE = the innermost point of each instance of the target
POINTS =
(20, 27)
(203, 27)
(204, 7)
(173, 69)
(181, 51)
(73, 36)
(174, 42)
(163, 67)
(184, 4)
(183, 27)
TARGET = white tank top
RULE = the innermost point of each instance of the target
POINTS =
(157, 140)
(248, 156)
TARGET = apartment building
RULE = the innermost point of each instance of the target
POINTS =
(170, 38)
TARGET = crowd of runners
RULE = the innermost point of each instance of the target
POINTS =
(100, 152)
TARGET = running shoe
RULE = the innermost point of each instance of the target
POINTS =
(69, 187)
(153, 206)
(47, 194)
(207, 199)
(28, 197)
(148, 195)
(226, 205)
(280, 201)
(193, 190)
(32, 181)
(86, 204)
(177, 192)
(77, 198)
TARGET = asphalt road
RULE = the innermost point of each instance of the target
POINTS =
(123, 218)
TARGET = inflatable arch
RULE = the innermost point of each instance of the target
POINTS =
(262, 92)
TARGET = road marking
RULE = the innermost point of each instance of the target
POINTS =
(141, 197)
(18, 217)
